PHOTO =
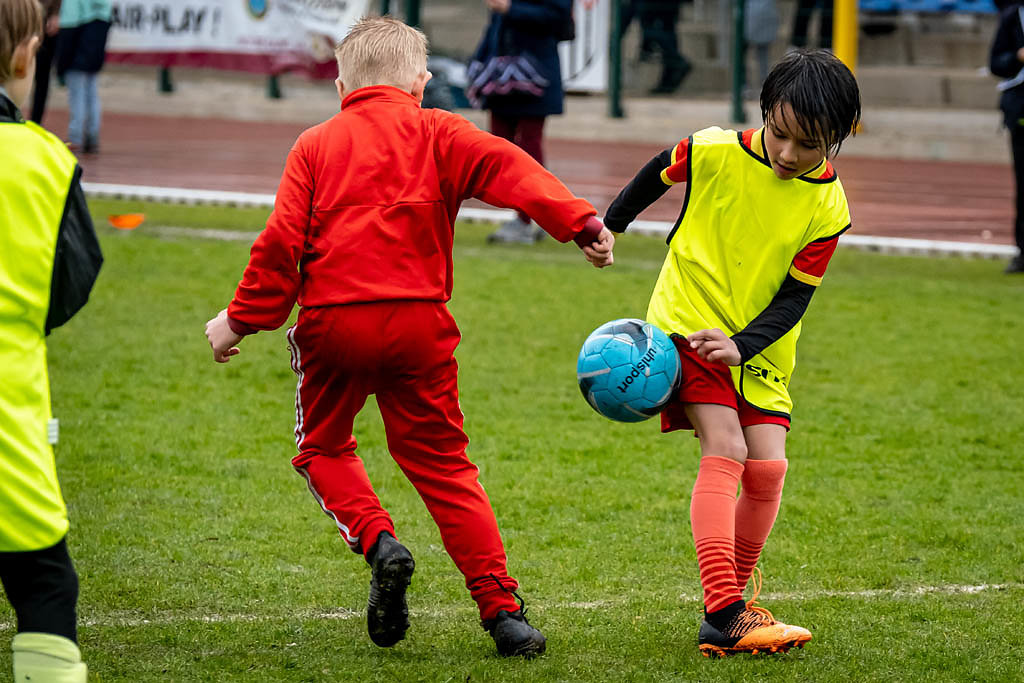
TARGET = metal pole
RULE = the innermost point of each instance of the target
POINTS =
(615, 110)
(738, 70)
(164, 82)
(273, 87)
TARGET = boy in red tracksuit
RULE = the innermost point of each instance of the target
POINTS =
(361, 236)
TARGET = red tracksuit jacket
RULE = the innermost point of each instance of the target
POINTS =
(366, 208)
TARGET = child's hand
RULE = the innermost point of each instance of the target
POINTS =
(221, 337)
(714, 345)
(600, 252)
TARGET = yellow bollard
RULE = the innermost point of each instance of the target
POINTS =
(844, 32)
(845, 29)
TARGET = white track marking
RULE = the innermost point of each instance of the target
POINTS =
(894, 245)
(177, 195)
(172, 618)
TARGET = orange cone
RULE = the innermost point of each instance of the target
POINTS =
(126, 221)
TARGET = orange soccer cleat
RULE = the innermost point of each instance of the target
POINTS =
(753, 630)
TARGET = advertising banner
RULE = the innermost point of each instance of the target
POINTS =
(273, 36)
(263, 36)
(585, 60)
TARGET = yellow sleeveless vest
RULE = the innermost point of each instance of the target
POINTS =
(736, 238)
(35, 177)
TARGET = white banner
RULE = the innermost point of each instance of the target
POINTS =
(585, 60)
(309, 27)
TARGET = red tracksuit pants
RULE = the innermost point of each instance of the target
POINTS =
(402, 351)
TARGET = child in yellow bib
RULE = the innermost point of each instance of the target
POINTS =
(49, 259)
(761, 217)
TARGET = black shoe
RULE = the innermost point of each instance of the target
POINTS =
(671, 79)
(387, 615)
(514, 636)
(1016, 265)
(91, 146)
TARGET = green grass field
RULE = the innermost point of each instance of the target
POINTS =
(203, 557)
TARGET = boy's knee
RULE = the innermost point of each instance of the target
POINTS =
(732, 447)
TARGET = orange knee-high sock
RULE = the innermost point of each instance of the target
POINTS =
(713, 519)
(756, 510)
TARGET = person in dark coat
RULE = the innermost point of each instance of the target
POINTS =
(1007, 61)
(802, 19)
(760, 28)
(81, 51)
(658, 19)
(531, 28)
(44, 59)
(630, 10)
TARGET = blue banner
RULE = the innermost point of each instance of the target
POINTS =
(931, 6)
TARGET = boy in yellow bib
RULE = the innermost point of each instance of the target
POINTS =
(761, 217)
(49, 258)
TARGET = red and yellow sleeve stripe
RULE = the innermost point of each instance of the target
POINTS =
(810, 264)
(676, 171)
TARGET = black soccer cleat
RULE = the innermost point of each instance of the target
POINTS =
(387, 615)
(514, 636)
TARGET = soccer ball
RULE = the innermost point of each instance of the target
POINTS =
(628, 370)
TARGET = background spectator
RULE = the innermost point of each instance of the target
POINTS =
(658, 19)
(81, 50)
(532, 28)
(1007, 61)
(802, 19)
(629, 12)
(761, 26)
(44, 59)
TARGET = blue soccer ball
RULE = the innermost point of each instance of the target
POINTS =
(628, 370)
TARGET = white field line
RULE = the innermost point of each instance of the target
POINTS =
(116, 620)
(205, 233)
(892, 245)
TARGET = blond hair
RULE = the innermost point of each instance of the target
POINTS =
(381, 51)
(19, 21)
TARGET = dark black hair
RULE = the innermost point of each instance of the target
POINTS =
(822, 92)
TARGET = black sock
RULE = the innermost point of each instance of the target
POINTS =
(42, 587)
(719, 618)
(370, 556)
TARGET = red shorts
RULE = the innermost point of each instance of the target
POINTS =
(705, 382)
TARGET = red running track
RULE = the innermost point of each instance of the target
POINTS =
(956, 201)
